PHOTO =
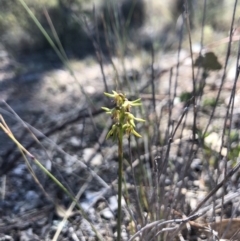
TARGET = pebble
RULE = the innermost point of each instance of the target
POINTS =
(75, 141)
(107, 214)
(89, 154)
(19, 170)
(31, 196)
(90, 199)
(196, 165)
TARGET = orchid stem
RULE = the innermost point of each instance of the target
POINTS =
(120, 173)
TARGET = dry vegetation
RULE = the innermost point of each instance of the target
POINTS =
(181, 179)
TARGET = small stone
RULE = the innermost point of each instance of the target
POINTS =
(19, 170)
(107, 214)
(97, 160)
(113, 203)
(196, 165)
(89, 154)
(74, 141)
(31, 196)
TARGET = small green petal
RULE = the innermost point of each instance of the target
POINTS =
(114, 92)
(109, 135)
(125, 104)
(136, 104)
(111, 132)
(130, 116)
(135, 133)
(109, 95)
(106, 109)
(139, 119)
(131, 121)
(136, 101)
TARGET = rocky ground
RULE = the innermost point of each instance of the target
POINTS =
(41, 100)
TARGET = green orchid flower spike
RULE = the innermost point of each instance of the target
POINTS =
(123, 123)
(121, 116)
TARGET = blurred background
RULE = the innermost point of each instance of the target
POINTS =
(77, 21)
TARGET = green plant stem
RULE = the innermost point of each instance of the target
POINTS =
(120, 174)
